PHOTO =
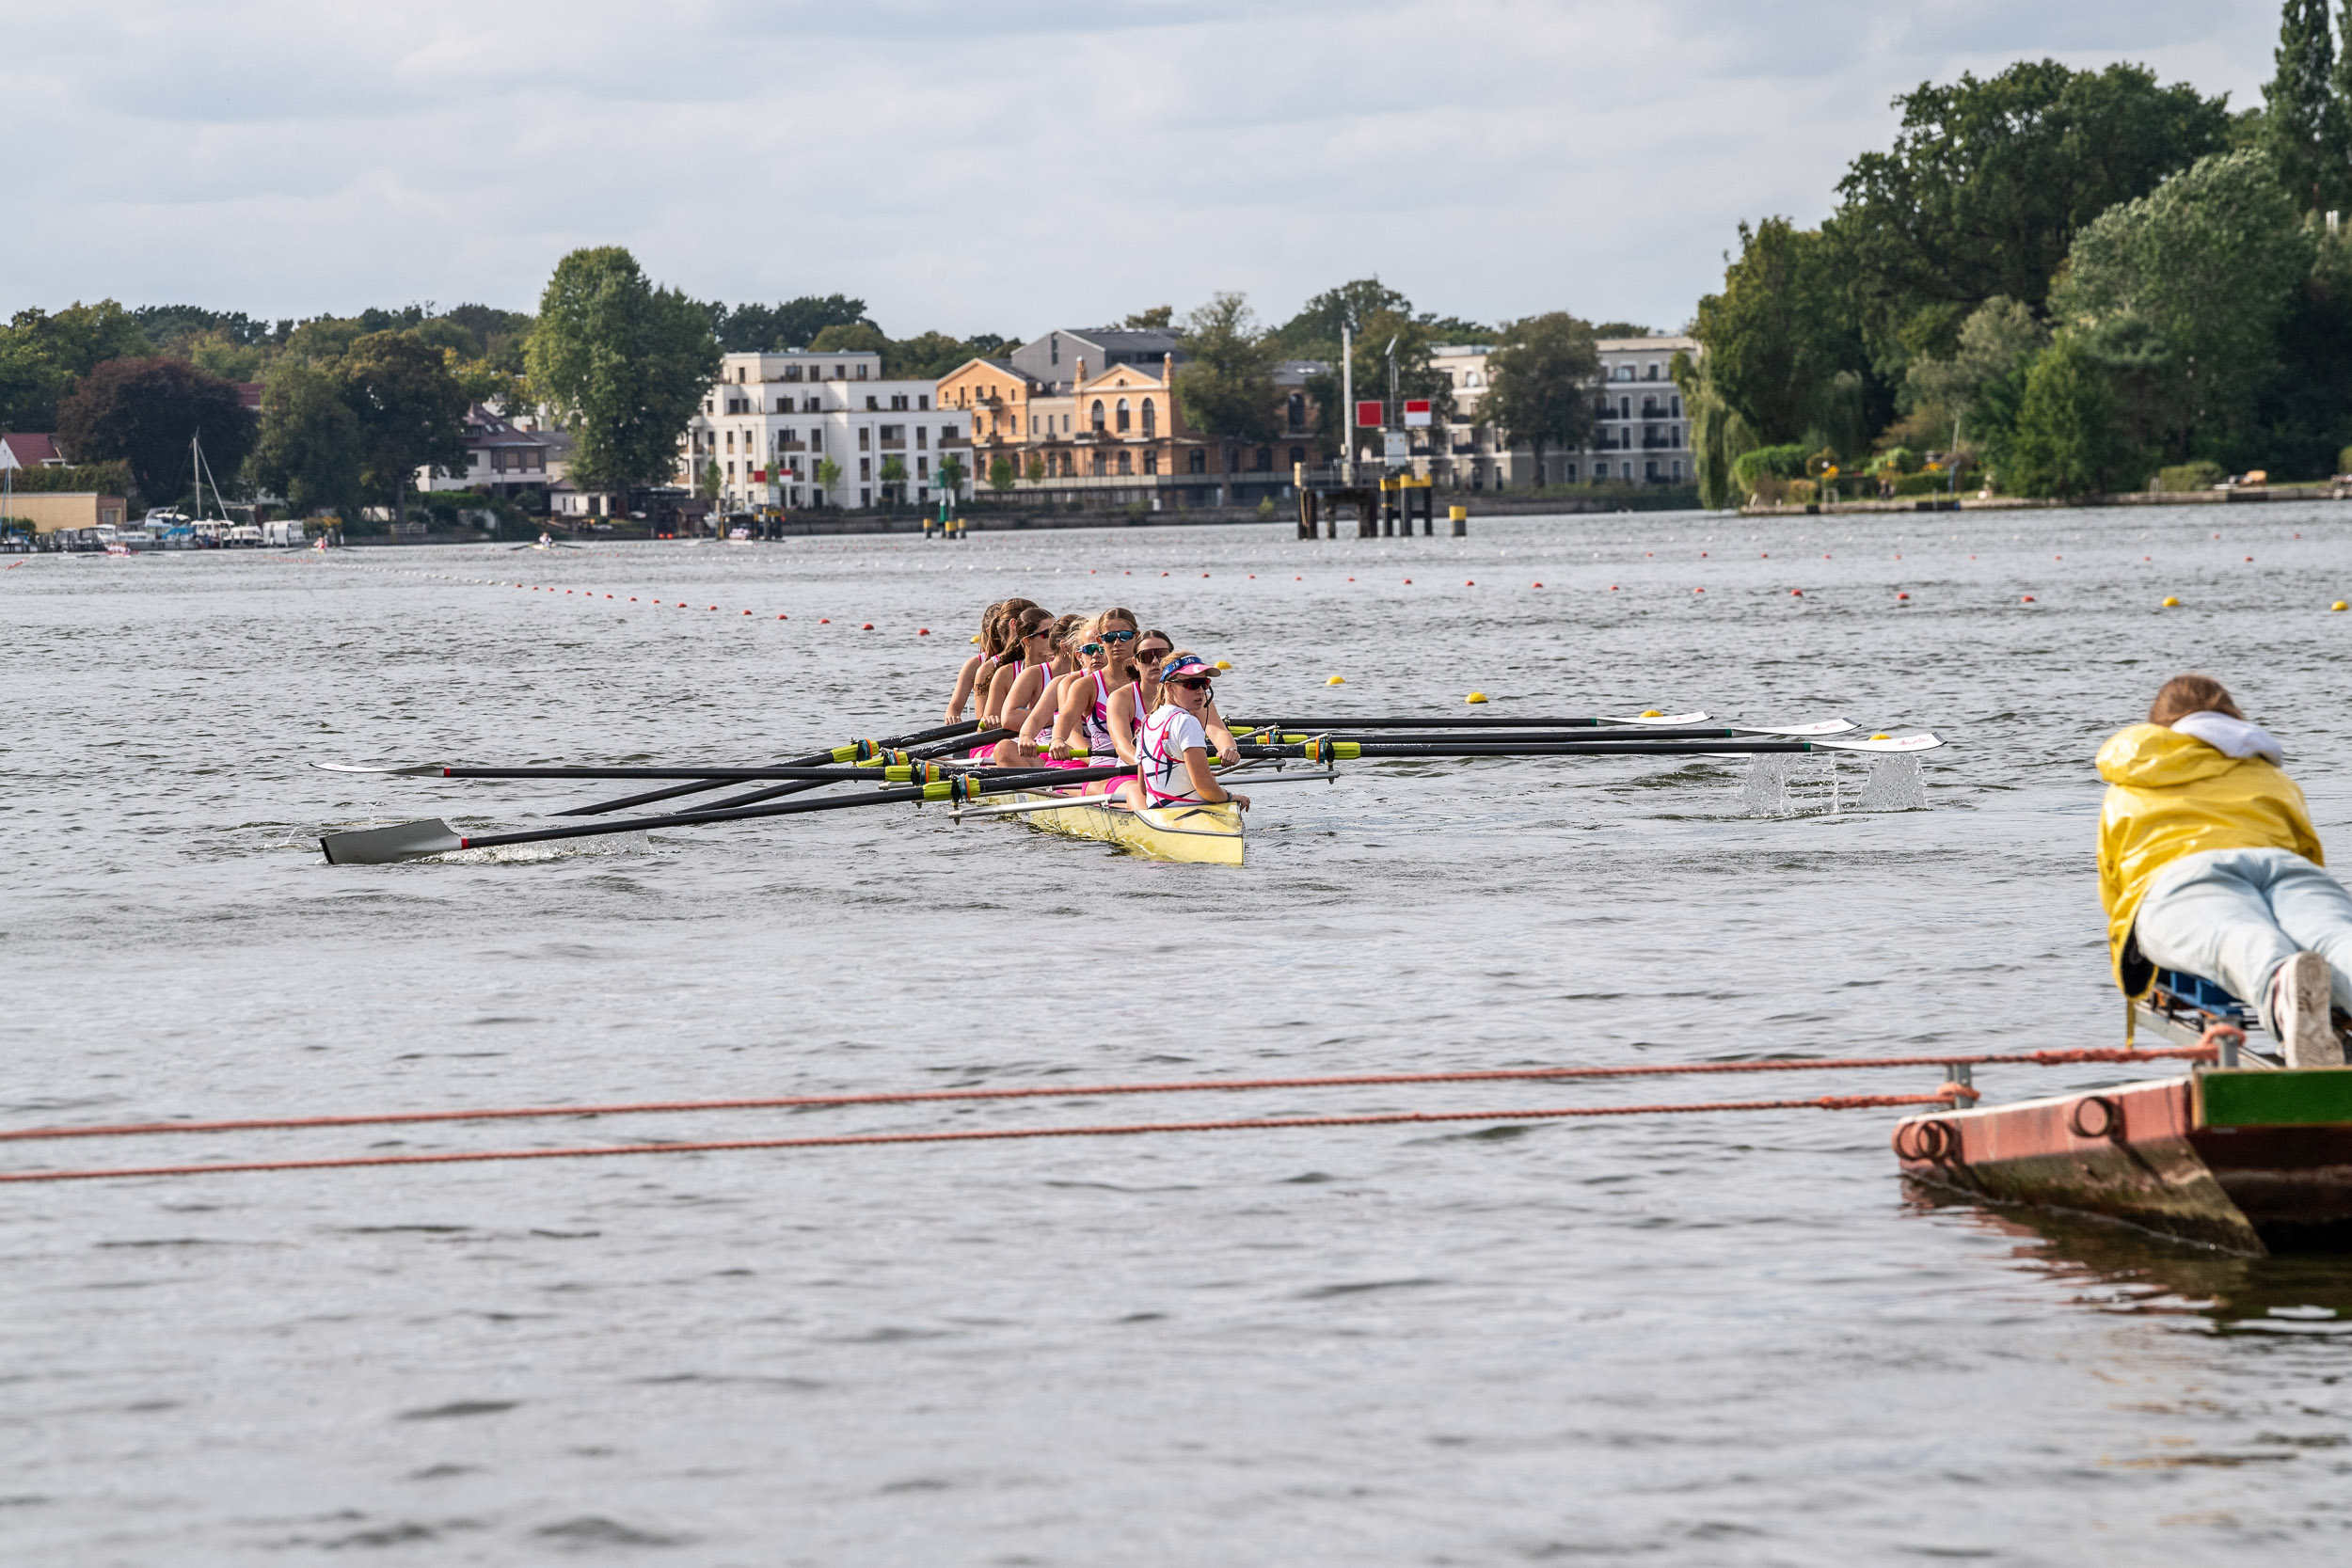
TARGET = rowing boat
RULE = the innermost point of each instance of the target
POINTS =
(1194, 834)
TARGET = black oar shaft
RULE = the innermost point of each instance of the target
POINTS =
(1424, 722)
(1477, 737)
(941, 733)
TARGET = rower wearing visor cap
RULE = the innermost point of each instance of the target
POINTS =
(1172, 756)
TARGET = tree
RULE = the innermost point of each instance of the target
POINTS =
(2304, 127)
(145, 412)
(1542, 380)
(624, 363)
(1034, 469)
(1315, 332)
(856, 337)
(794, 324)
(828, 475)
(1780, 337)
(893, 471)
(2189, 285)
(1000, 474)
(1621, 329)
(41, 355)
(1159, 315)
(1998, 339)
(1226, 386)
(1719, 438)
(1988, 183)
(309, 449)
(411, 413)
(2064, 443)
(950, 473)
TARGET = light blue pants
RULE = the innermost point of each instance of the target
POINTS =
(2236, 915)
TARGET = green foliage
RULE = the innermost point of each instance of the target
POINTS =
(1137, 511)
(1000, 474)
(41, 355)
(1998, 338)
(1159, 315)
(2181, 293)
(1542, 382)
(1034, 470)
(853, 337)
(1924, 483)
(1621, 329)
(625, 364)
(1226, 386)
(2066, 442)
(1780, 337)
(2181, 477)
(1894, 461)
(410, 408)
(709, 482)
(1989, 182)
(794, 324)
(1265, 508)
(1786, 461)
(1719, 438)
(144, 412)
(828, 474)
(309, 450)
(894, 470)
(951, 474)
(1313, 333)
(2305, 128)
(107, 479)
(1800, 492)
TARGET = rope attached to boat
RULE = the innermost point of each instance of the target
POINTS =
(1952, 1093)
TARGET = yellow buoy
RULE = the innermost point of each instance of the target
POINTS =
(1224, 664)
(1336, 680)
(2172, 603)
(2339, 605)
(976, 640)
(1881, 737)
(1475, 697)
(1653, 713)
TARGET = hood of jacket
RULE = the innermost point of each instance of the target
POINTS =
(2151, 756)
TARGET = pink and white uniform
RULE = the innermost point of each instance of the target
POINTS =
(1168, 735)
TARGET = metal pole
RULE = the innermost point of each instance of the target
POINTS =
(1347, 405)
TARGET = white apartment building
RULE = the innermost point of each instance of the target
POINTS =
(773, 420)
(1640, 436)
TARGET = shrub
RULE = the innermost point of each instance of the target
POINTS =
(1921, 484)
(1769, 490)
(2199, 475)
(1137, 511)
(1896, 461)
(1266, 509)
(2344, 461)
(1786, 462)
(1802, 492)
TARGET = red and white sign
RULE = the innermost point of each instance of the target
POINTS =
(1416, 412)
(1370, 415)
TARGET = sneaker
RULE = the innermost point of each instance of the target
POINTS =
(2299, 1012)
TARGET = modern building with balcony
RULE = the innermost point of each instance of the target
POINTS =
(772, 421)
(1639, 432)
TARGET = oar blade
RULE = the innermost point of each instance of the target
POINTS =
(1924, 741)
(1655, 721)
(398, 769)
(1797, 732)
(402, 841)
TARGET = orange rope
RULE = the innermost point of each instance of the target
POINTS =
(1945, 1096)
(1198, 1085)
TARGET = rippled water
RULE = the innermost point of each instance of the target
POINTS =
(1701, 1341)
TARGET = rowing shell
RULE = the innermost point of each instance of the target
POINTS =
(1196, 835)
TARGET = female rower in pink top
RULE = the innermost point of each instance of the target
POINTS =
(1172, 756)
(1082, 727)
(1026, 704)
(1016, 683)
(1133, 704)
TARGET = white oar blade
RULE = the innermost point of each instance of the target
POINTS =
(409, 769)
(1923, 741)
(1797, 732)
(403, 841)
(1657, 720)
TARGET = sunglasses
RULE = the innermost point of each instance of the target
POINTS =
(1147, 654)
(1192, 685)
(1118, 637)
(1089, 647)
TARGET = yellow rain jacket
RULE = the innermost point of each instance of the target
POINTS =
(2170, 795)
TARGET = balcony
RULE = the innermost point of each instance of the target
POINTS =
(894, 443)
(791, 446)
(1660, 443)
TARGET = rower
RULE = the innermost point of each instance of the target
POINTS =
(1084, 655)
(969, 676)
(999, 650)
(1132, 704)
(1028, 682)
(1172, 763)
(2208, 865)
(1082, 726)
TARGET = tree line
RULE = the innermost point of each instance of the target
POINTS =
(2058, 281)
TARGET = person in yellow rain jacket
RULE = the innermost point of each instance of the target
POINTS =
(2208, 865)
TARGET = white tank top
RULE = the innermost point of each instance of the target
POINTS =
(1096, 725)
(1160, 755)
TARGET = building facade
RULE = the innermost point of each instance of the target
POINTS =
(1072, 427)
(1640, 434)
(775, 420)
(505, 457)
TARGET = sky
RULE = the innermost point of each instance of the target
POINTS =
(998, 165)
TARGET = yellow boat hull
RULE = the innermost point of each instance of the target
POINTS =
(1195, 835)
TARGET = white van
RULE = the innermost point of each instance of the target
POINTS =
(284, 533)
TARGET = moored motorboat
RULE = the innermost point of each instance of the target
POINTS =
(2253, 1160)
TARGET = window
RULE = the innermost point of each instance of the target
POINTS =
(1122, 415)
(1094, 463)
(922, 467)
(1625, 408)
(1296, 408)
(783, 405)
(1151, 462)
(1298, 454)
(1650, 470)
(1126, 462)
(1033, 424)
(1567, 471)
(865, 438)
(1199, 462)
(865, 467)
(873, 404)
(730, 470)
(861, 372)
(898, 402)
(839, 371)
(865, 496)
(1065, 424)
(710, 405)
(1470, 378)
(730, 440)
(1233, 460)
(815, 438)
(1265, 460)
(1653, 369)
(1600, 471)
(1053, 349)
(792, 372)
(739, 373)
(922, 401)
(1098, 416)
(1066, 472)
(922, 437)
(1151, 419)
(1677, 468)
(1678, 407)
(811, 405)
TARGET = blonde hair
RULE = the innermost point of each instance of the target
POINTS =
(2186, 694)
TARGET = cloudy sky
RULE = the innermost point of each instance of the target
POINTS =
(1002, 166)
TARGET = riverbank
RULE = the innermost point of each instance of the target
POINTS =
(2239, 496)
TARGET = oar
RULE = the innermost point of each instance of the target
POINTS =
(411, 840)
(1647, 721)
(985, 737)
(856, 752)
(1021, 806)
(1541, 737)
(1321, 751)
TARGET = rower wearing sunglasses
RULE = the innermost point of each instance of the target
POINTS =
(1133, 704)
(1082, 728)
(1172, 757)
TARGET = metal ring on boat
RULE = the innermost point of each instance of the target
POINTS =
(1930, 1139)
(2095, 1117)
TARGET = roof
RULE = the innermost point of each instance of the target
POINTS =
(27, 450)
(1294, 372)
